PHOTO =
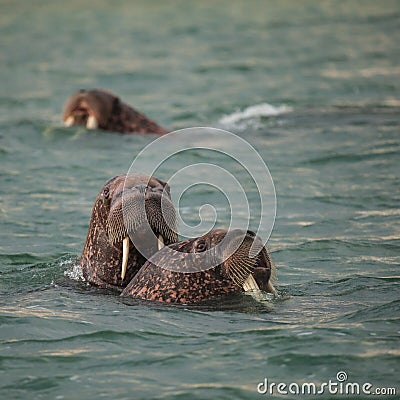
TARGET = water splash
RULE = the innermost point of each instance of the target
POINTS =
(251, 114)
(74, 271)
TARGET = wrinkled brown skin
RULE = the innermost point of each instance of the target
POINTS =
(101, 259)
(156, 283)
(110, 112)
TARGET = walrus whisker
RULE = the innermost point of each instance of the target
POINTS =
(237, 280)
(117, 230)
(238, 276)
(250, 284)
(125, 256)
(240, 273)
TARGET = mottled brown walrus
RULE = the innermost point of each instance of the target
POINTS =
(127, 206)
(100, 109)
(179, 272)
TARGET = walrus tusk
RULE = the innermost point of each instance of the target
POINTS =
(69, 121)
(125, 255)
(270, 288)
(92, 122)
(250, 284)
(160, 241)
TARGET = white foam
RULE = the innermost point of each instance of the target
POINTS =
(75, 272)
(254, 112)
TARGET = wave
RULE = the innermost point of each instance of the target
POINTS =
(342, 286)
(255, 112)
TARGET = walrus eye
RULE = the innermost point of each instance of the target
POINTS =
(201, 246)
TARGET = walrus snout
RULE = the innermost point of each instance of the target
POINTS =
(246, 261)
(133, 216)
(82, 116)
(143, 218)
(139, 207)
(89, 108)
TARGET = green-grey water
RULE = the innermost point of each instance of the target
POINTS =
(330, 71)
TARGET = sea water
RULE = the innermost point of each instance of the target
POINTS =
(313, 86)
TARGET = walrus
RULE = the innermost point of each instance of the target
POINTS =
(173, 276)
(100, 109)
(127, 207)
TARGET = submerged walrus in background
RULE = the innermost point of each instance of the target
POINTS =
(99, 109)
(127, 205)
(159, 279)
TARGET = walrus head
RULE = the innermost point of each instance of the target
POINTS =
(100, 109)
(90, 108)
(130, 211)
(195, 269)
